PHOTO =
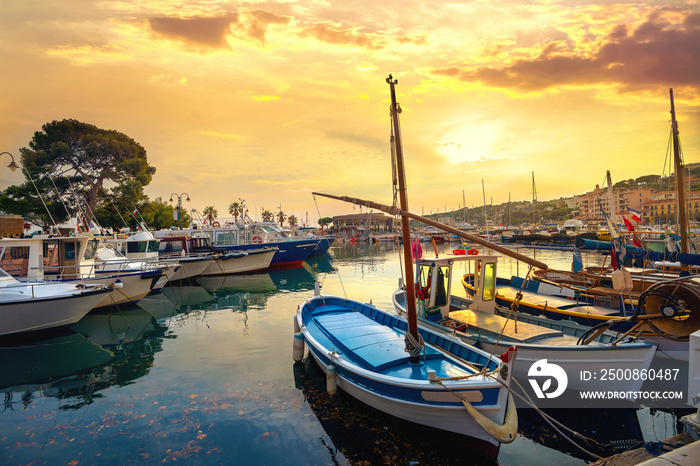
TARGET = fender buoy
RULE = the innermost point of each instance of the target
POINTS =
(257, 239)
(216, 224)
(473, 252)
(354, 240)
(459, 252)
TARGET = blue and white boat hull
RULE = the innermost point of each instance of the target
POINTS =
(367, 369)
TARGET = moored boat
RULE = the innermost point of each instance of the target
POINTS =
(479, 320)
(37, 306)
(393, 365)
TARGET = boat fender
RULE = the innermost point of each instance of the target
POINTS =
(298, 353)
(473, 252)
(622, 280)
(331, 380)
(459, 252)
(216, 224)
(118, 285)
(297, 329)
(504, 433)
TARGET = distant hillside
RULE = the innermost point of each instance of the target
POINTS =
(556, 210)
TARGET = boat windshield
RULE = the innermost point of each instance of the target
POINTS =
(91, 249)
(142, 246)
(489, 281)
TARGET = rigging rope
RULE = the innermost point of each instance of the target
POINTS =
(414, 346)
(42, 199)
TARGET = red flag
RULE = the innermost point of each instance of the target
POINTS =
(613, 259)
(134, 212)
(636, 241)
(628, 224)
(416, 250)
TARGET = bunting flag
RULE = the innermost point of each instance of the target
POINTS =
(613, 259)
(635, 214)
(416, 250)
(134, 212)
(628, 224)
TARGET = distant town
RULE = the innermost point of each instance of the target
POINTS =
(654, 196)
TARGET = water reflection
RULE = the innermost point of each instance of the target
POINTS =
(104, 349)
(193, 363)
(362, 435)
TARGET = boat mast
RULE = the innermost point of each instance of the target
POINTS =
(405, 224)
(534, 201)
(680, 183)
(464, 203)
(486, 220)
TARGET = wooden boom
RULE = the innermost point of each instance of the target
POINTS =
(397, 211)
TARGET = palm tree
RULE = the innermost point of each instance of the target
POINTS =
(235, 209)
(292, 220)
(210, 213)
(266, 215)
(280, 218)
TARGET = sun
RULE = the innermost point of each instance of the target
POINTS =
(467, 143)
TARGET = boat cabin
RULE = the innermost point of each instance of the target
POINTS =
(434, 283)
(183, 242)
(43, 257)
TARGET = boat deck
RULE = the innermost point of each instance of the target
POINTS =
(376, 347)
(482, 321)
(544, 302)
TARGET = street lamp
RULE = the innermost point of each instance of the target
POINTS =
(12, 166)
(179, 205)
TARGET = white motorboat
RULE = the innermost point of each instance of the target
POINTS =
(35, 306)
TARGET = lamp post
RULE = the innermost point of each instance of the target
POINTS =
(12, 166)
(179, 205)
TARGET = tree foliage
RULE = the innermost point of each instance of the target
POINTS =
(210, 213)
(80, 165)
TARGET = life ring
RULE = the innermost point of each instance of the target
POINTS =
(257, 239)
(216, 224)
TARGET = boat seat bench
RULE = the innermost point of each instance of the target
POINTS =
(374, 346)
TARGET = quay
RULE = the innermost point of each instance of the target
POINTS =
(686, 455)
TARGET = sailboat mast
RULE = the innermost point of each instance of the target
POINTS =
(464, 203)
(680, 180)
(405, 224)
(486, 221)
(534, 201)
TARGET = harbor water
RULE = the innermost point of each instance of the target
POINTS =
(203, 374)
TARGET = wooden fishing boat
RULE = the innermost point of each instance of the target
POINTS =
(365, 347)
(479, 320)
(413, 373)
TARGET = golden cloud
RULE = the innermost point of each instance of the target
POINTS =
(325, 32)
(210, 32)
(658, 52)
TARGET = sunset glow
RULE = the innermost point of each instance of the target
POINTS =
(269, 101)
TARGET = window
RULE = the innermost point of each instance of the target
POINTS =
(92, 246)
(489, 282)
(69, 250)
(226, 237)
(136, 246)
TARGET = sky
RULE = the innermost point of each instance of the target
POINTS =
(268, 101)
